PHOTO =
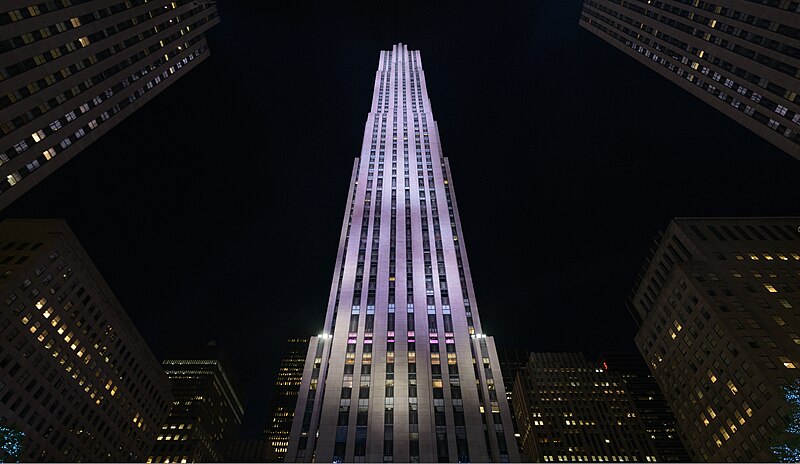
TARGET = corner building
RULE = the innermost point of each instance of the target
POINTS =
(742, 57)
(403, 371)
(718, 309)
(70, 70)
(76, 377)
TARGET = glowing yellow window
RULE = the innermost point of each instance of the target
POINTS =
(711, 412)
(753, 256)
(770, 288)
(732, 387)
(84, 41)
(787, 363)
(768, 257)
(711, 376)
(704, 419)
(40, 304)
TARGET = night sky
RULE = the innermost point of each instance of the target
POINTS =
(214, 212)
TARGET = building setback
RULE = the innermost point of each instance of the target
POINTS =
(207, 408)
(717, 308)
(742, 57)
(77, 378)
(402, 370)
(73, 69)
(653, 409)
(569, 409)
(284, 396)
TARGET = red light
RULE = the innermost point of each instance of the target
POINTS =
(605, 365)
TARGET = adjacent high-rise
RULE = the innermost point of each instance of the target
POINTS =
(284, 395)
(402, 370)
(76, 377)
(740, 56)
(73, 69)
(571, 410)
(207, 411)
(653, 409)
(718, 309)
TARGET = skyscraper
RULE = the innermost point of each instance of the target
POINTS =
(571, 410)
(207, 408)
(73, 69)
(653, 409)
(284, 395)
(512, 361)
(402, 370)
(742, 57)
(717, 308)
(76, 377)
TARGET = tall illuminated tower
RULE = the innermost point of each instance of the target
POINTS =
(402, 371)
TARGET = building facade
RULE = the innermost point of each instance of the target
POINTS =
(402, 370)
(207, 409)
(73, 69)
(717, 307)
(652, 407)
(571, 410)
(284, 395)
(512, 361)
(742, 57)
(77, 378)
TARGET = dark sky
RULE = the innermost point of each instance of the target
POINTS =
(214, 212)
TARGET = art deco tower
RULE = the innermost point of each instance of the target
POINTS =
(402, 371)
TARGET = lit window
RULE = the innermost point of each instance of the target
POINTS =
(711, 376)
(770, 288)
(786, 362)
(732, 387)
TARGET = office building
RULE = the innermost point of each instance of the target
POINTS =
(512, 361)
(717, 308)
(653, 409)
(207, 407)
(284, 395)
(402, 370)
(73, 69)
(742, 57)
(571, 410)
(77, 378)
